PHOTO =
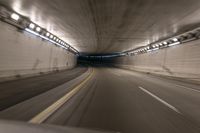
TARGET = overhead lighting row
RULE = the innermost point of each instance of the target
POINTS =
(25, 24)
(156, 46)
(180, 39)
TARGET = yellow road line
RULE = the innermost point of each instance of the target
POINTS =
(42, 116)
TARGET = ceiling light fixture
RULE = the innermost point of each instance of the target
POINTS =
(165, 43)
(51, 36)
(15, 16)
(175, 39)
(47, 34)
(31, 25)
(38, 29)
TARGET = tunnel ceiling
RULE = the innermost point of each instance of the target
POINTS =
(108, 26)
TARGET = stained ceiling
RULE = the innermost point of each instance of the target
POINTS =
(109, 26)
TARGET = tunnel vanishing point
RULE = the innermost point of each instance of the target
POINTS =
(100, 66)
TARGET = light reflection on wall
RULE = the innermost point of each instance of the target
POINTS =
(48, 22)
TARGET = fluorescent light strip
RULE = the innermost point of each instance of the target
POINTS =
(37, 34)
(153, 49)
(15, 17)
(172, 44)
(188, 40)
(30, 31)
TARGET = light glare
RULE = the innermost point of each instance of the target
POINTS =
(38, 29)
(32, 26)
(47, 34)
(165, 43)
(15, 16)
(175, 39)
(176, 43)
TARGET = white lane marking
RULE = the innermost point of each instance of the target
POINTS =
(188, 88)
(160, 100)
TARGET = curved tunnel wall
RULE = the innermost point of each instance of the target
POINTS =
(22, 53)
(178, 61)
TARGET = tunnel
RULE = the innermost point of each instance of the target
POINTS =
(99, 66)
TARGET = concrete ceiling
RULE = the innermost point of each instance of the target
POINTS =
(107, 26)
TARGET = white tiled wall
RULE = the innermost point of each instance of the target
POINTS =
(181, 60)
(23, 53)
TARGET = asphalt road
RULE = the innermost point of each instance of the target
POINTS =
(130, 102)
(14, 92)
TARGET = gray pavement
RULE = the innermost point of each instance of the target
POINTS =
(13, 92)
(114, 101)
(130, 102)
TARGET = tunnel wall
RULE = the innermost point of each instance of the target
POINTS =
(22, 53)
(178, 61)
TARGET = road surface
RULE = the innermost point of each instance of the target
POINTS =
(13, 92)
(122, 101)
